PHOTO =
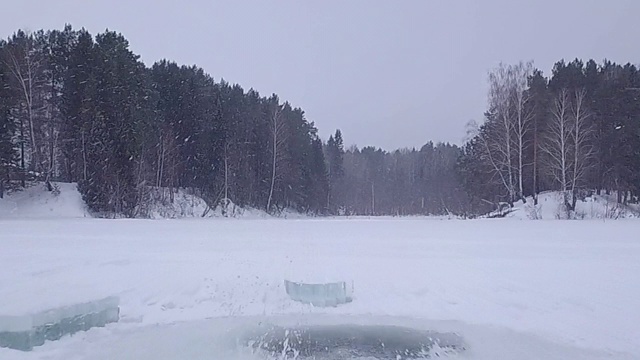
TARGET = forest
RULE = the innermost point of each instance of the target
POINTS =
(81, 108)
(576, 132)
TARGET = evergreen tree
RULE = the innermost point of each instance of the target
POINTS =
(319, 182)
(110, 186)
(8, 150)
(78, 108)
(335, 158)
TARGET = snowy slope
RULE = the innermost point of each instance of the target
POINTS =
(183, 204)
(37, 202)
(163, 203)
(66, 202)
(593, 207)
(186, 205)
(517, 290)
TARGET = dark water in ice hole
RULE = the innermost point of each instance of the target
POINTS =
(335, 342)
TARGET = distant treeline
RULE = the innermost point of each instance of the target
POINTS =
(79, 108)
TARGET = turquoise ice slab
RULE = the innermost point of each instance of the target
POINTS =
(23, 332)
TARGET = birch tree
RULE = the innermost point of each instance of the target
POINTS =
(505, 136)
(523, 117)
(556, 144)
(497, 138)
(24, 63)
(225, 200)
(494, 155)
(581, 136)
(566, 145)
(277, 128)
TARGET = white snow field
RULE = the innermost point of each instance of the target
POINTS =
(191, 289)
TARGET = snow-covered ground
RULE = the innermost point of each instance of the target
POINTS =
(187, 288)
(66, 202)
(184, 204)
(550, 207)
(36, 202)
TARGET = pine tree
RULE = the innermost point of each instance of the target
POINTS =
(540, 110)
(8, 150)
(335, 159)
(110, 187)
(78, 108)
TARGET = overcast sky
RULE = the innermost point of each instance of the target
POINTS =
(387, 73)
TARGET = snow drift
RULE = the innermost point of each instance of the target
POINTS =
(550, 207)
(37, 202)
(164, 203)
(65, 201)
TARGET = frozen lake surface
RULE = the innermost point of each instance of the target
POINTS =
(196, 288)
